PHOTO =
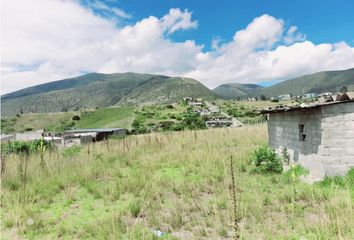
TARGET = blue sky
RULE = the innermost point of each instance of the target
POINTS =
(322, 21)
(214, 42)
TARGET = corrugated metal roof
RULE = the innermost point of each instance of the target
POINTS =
(93, 130)
(340, 99)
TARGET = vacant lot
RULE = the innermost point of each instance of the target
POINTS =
(178, 183)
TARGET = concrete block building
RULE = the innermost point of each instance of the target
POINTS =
(320, 137)
(98, 134)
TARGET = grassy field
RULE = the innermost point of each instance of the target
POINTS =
(107, 117)
(175, 182)
(36, 121)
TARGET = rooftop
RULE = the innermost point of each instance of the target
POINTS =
(339, 99)
(93, 130)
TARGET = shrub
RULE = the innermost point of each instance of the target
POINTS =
(27, 129)
(239, 114)
(165, 125)
(177, 127)
(76, 118)
(135, 123)
(169, 106)
(193, 121)
(139, 130)
(275, 100)
(250, 114)
(265, 160)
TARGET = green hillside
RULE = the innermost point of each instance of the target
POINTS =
(234, 90)
(121, 117)
(329, 81)
(101, 90)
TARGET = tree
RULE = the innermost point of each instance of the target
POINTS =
(263, 98)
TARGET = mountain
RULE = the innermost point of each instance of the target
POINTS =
(328, 81)
(234, 90)
(102, 90)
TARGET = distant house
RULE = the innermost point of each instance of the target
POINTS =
(284, 97)
(97, 134)
(57, 141)
(78, 139)
(319, 136)
(7, 137)
(324, 94)
(309, 95)
(29, 136)
(195, 104)
(217, 121)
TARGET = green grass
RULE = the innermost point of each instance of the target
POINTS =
(176, 182)
(36, 121)
(57, 122)
(106, 118)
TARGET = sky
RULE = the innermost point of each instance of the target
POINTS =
(214, 42)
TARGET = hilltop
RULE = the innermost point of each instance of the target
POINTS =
(328, 81)
(102, 90)
(234, 90)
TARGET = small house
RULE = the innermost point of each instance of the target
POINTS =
(29, 136)
(97, 134)
(320, 136)
(309, 95)
(78, 139)
(284, 97)
(7, 137)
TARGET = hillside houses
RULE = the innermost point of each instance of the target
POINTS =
(193, 102)
(318, 136)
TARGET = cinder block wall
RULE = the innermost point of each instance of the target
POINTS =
(329, 146)
(337, 146)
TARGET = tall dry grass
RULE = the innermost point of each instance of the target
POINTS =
(175, 182)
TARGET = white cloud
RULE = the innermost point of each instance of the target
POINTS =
(49, 40)
(293, 36)
(120, 13)
(258, 53)
(178, 20)
(262, 32)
